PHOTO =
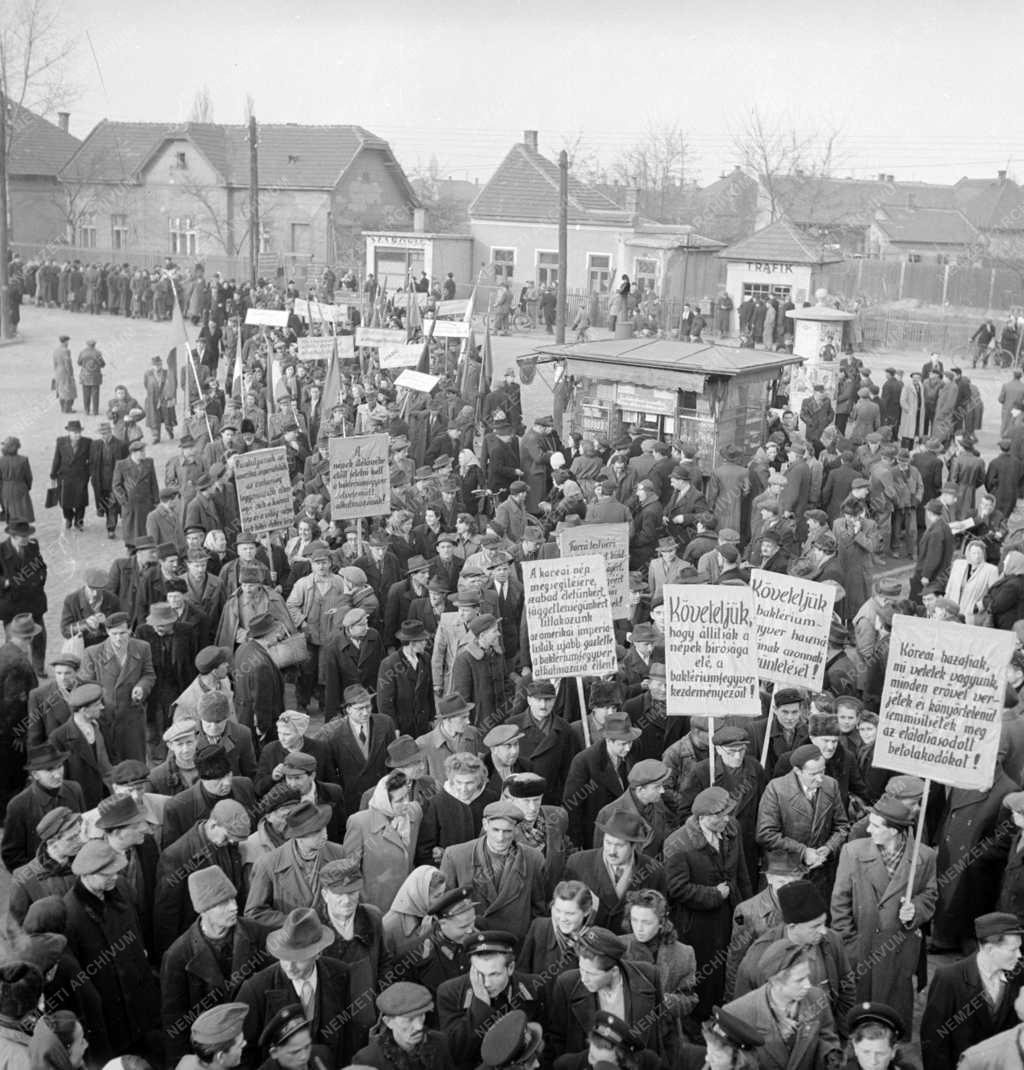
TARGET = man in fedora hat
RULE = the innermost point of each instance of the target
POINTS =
(170, 645)
(70, 473)
(48, 873)
(705, 886)
(358, 745)
(404, 687)
(452, 734)
(401, 1041)
(259, 685)
(548, 744)
(508, 876)
(618, 866)
(289, 876)
(204, 965)
(47, 790)
(408, 757)
(135, 488)
(598, 776)
(302, 974)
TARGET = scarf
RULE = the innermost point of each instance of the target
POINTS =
(424, 1057)
(476, 795)
(398, 815)
(568, 943)
(892, 856)
(412, 901)
(534, 834)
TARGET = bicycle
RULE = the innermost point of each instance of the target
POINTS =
(518, 321)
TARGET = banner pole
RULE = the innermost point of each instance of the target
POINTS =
(767, 734)
(583, 711)
(917, 838)
(711, 752)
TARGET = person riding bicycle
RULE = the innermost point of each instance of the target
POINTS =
(982, 338)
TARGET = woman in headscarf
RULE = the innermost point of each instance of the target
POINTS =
(970, 578)
(383, 838)
(408, 922)
(216, 545)
(1005, 599)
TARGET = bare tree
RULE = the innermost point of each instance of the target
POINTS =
(659, 166)
(202, 106)
(584, 163)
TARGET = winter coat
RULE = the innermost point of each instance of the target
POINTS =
(15, 487)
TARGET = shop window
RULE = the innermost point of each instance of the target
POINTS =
(547, 269)
(503, 261)
(766, 290)
(599, 273)
(645, 271)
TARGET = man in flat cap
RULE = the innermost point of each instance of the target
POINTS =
(606, 981)
(103, 929)
(303, 974)
(213, 841)
(452, 635)
(871, 910)
(289, 877)
(47, 789)
(617, 867)
(216, 1039)
(351, 656)
(502, 758)
(171, 647)
(59, 833)
(647, 780)
(509, 876)
(468, 1006)
(401, 1041)
(707, 879)
(87, 761)
(48, 705)
(212, 665)
(206, 963)
(974, 999)
(805, 808)
(479, 672)
(215, 781)
(178, 770)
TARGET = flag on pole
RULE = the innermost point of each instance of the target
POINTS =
(486, 371)
(424, 361)
(413, 319)
(178, 325)
(332, 383)
(236, 377)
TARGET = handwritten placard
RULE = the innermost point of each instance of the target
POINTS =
(375, 336)
(446, 328)
(316, 348)
(569, 617)
(266, 317)
(710, 656)
(399, 355)
(413, 380)
(942, 702)
(264, 489)
(611, 541)
(457, 307)
(360, 477)
(791, 625)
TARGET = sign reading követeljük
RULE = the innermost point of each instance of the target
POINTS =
(792, 618)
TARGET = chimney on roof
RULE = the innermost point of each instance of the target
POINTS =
(64, 118)
(890, 178)
(530, 139)
(419, 220)
(1001, 175)
(632, 199)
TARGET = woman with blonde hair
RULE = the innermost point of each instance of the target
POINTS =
(970, 578)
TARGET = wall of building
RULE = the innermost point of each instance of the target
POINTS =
(36, 209)
(799, 277)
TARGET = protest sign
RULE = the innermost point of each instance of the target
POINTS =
(316, 311)
(375, 336)
(266, 317)
(942, 702)
(264, 490)
(360, 477)
(316, 348)
(453, 308)
(413, 380)
(346, 347)
(569, 617)
(399, 355)
(710, 656)
(611, 541)
(446, 328)
(792, 618)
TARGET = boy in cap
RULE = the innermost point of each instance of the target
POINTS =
(401, 1040)
(508, 875)
(203, 965)
(87, 762)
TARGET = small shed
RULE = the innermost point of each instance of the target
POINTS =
(706, 394)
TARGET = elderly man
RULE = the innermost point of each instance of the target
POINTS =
(598, 776)
(213, 841)
(357, 745)
(404, 692)
(217, 729)
(205, 964)
(47, 790)
(303, 974)
(314, 604)
(289, 876)
(452, 734)
(617, 867)
(259, 685)
(214, 782)
(123, 667)
(88, 762)
(468, 1006)
(803, 813)
(352, 656)
(607, 981)
(178, 770)
(402, 1041)
(547, 745)
(509, 876)
(59, 833)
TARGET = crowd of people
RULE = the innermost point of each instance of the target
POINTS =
(296, 799)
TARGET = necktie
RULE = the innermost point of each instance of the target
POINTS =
(362, 737)
(307, 1000)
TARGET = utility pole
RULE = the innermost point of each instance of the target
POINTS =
(563, 244)
(254, 204)
(5, 272)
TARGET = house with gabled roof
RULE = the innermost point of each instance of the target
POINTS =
(37, 150)
(923, 235)
(183, 190)
(996, 208)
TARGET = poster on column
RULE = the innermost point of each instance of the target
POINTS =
(569, 617)
(942, 702)
(264, 490)
(360, 476)
(611, 541)
(710, 651)
(792, 618)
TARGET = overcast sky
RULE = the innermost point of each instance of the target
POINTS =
(922, 90)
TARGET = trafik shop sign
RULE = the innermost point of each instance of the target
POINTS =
(769, 267)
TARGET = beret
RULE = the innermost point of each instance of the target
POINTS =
(300, 762)
(405, 998)
(804, 754)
